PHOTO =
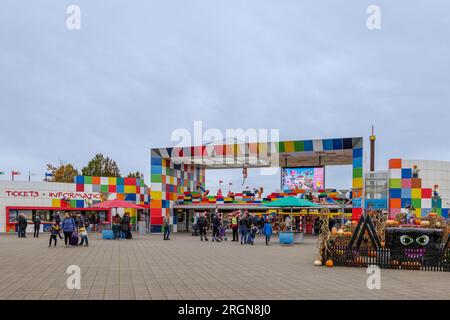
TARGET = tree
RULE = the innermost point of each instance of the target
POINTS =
(65, 172)
(136, 175)
(100, 166)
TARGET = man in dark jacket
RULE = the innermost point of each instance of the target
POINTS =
(215, 225)
(125, 226)
(22, 226)
(37, 226)
(243, 228)
(202, 224)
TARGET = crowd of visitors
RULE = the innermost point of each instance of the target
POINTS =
(244, 226)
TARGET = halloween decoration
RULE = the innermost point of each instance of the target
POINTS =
(408, 244)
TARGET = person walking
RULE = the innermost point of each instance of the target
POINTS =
(57, 220)
(268, 230)
(166, 222)
(116, 226)
(202, 224)
(37, 226)
(124, 226)
(243, 229)
(215, 228)
(235, 227)
(54, 232)
(68, 227)
(84, 236)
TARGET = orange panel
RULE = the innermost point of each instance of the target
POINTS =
(395, 164)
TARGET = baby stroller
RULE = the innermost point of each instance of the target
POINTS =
(222, 233)
(195, 230)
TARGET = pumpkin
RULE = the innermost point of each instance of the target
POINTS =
(389, 223)
(425, 223)
(317, 262)
(340, 232)
(329, 263)
(432, 214)
(417, 222)
(438, 224)
(334, 231)
(354, 222)
(347, 234)
(396, 223)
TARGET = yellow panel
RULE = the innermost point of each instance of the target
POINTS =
(289, 146)
(262, 148)
(416, 193)
(56, 203)
(156, 195)
(357, 183)
(130, 189)
(418, 212)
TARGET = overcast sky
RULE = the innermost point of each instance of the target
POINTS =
(137, 70)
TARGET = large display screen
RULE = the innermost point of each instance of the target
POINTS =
(308, 179)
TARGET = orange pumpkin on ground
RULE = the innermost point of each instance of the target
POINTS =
(329, 263)
(432, 214)
(396, 223)
(417, 222)
(354, 222)
(372, 254)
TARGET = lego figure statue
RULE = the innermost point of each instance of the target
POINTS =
(415, 172)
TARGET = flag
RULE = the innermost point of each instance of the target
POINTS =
(48, 174)
(16, 173)
(2, 172)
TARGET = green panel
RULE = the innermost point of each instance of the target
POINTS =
(156, 178)
(87, 180)
(299, 146)
(417, 203)
(357, 173)
(104, 188)
(73, 203)
(395, 183)
(281, 146)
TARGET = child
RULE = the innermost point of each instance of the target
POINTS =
(84, 236)
(54, 232)
(252, 234)
(268, 231)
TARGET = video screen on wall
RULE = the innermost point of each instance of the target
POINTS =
(308, 179)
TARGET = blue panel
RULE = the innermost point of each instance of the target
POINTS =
(79, 180)
(406, 173)
(155, 228)
(376, 203)
(327, 144)
(156, 162)
(130, 197)
(425, 211)
(445, 213)
(337, 144)
(406, 193)
(395, 193)
(175, 219)
(80, 203)
(96, 188)
(357, 203)
(347, 143)
(358, 153)
(357, 163)
(308, 145)
(120, 188)
(406, 202)
(120, 181)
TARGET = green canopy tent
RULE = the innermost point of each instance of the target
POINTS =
(291, 202)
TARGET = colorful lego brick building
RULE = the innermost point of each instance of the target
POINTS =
(49, 198)
(175, 171)
(408, 187)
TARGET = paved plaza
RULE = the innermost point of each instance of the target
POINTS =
(185, 268)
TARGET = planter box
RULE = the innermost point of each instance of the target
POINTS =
(286, 237)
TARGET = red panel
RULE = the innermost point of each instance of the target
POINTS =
(395, 164)
(156, 220)
(80, 187)
(356, 213)
(130, 181)
(416, 183)
(427, 193)
(138, 190)
(112, 189)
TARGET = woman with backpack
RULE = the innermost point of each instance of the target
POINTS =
(68, 227)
